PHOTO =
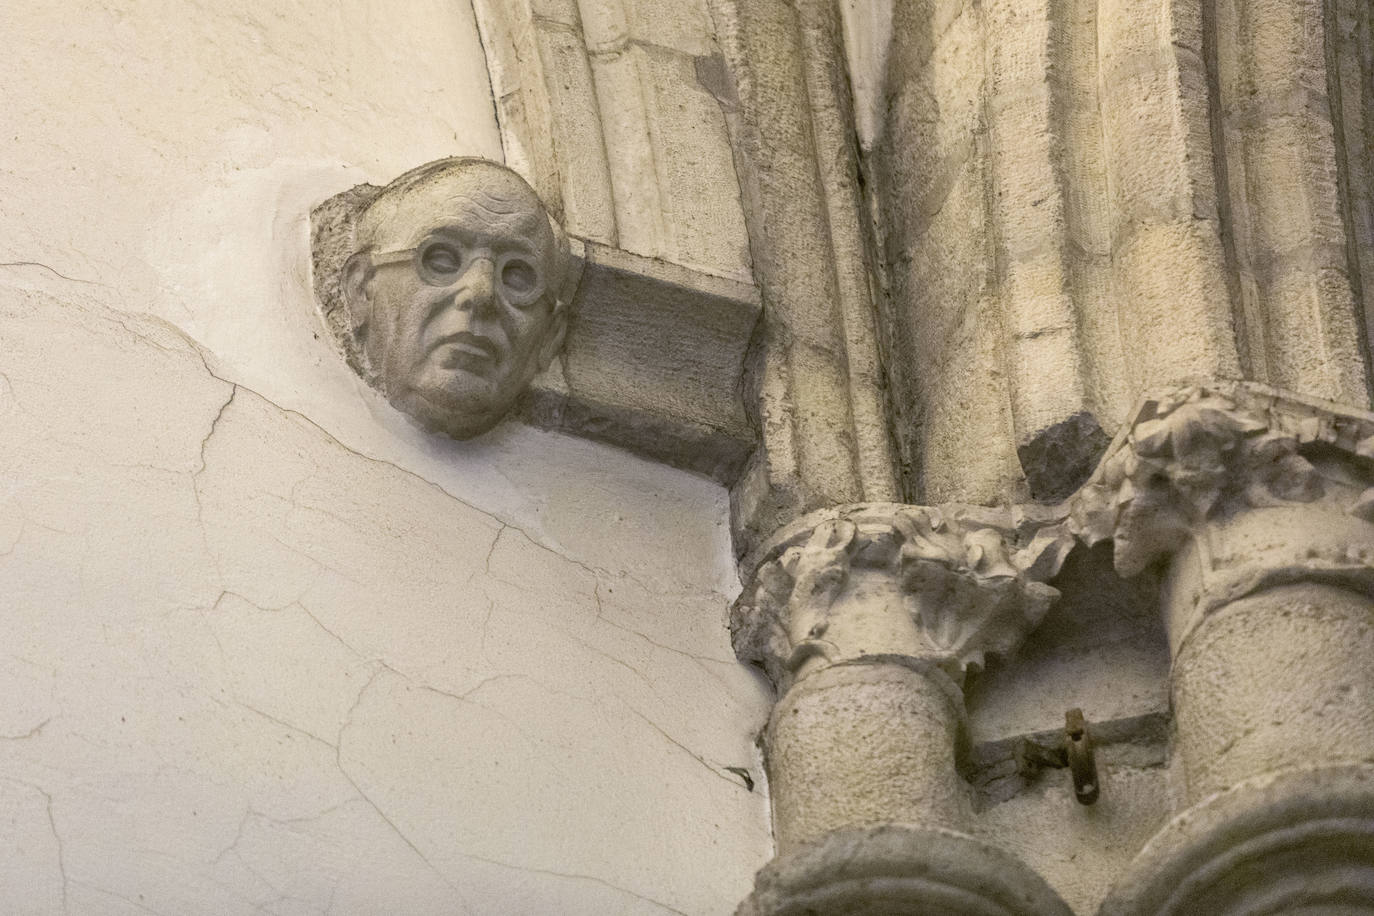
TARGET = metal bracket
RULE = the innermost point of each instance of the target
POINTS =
(1078, 747)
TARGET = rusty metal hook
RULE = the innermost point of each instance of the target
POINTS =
(1078, 746)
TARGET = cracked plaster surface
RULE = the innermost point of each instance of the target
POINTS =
(256, 671)
(270, 649)
(179, 184)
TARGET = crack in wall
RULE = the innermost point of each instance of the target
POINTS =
(572, 876)
(57, 837)
(699, 659)
(54, 271)
(716, 769)
(31, 733)
(467, 696)
(296, 729)
(339, 763)
(129, 900)
(61, 848)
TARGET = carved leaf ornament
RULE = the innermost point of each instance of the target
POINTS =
(973, 580)
(1195, 454)
(968, 591)
(974, 595)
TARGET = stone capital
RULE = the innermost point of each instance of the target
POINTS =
(1206, 454)
(938, 587)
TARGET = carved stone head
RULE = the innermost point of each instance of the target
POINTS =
(452, 293)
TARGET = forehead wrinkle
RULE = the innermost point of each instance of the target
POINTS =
(524, 225)
(524, 219)
(412, 224)
(463, 203)
(491, 207)
(494, 202)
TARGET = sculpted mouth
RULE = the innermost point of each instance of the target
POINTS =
(470, 344)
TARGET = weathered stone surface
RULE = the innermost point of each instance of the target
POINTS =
(1206, 452)
(1307, 701)
(863, 745)
(945, 586)
(602, 110)
(1257, 500)
(867, 618)
(903, 871)
(816, 390)
(1252, 501)
(1299, 841)
(1061, 457)
(655, 362)
(1083, 201)
(454, 283)
(1101, 646)
(1082, 851)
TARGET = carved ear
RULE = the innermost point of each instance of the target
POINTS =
(558, 329)
(356, 285)
(557, 333)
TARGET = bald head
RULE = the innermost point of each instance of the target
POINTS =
(475, 191)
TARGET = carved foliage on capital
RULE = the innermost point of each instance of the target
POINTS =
(1200, 452)
(946, 586)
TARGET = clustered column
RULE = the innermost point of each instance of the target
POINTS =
(1260, 505)
(866, 618)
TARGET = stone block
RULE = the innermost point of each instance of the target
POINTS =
(699, 191)
(654, 363)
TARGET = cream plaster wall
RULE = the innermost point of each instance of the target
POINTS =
(268, 648)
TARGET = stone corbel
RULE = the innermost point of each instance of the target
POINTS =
(1261, 506)
(653, 353)
(867, 618)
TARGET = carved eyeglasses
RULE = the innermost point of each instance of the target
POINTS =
(440, 261)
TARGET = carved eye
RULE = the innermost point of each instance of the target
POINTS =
(519, 277)
(440, 261)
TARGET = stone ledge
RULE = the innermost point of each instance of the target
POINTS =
(654, 362)
(1002, 769)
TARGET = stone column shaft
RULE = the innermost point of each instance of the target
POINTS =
(1260, 504)
(816, 386)
(865, 744)
(1281, 678)
(866, 617)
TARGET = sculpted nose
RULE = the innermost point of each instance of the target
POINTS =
(478, 289)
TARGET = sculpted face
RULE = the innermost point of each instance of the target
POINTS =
(455, 299)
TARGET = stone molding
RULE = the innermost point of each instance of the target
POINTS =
(1207, 452)
(1267, 487)
(900, 870)
(1301, 840)
(818, 379)
(963, 582)
(611, 109)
